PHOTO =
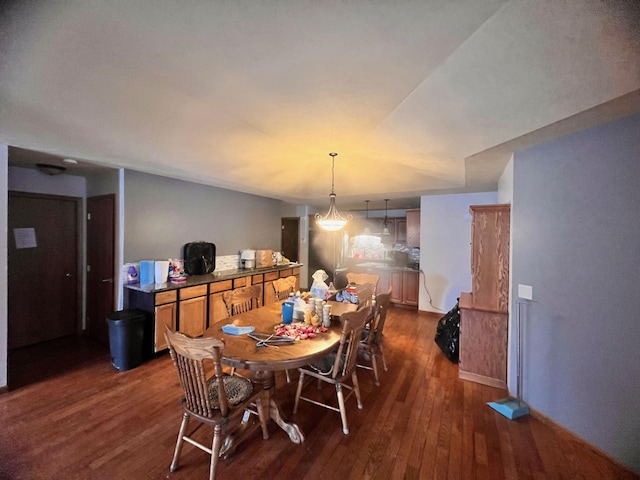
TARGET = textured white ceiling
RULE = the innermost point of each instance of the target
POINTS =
(416, 97)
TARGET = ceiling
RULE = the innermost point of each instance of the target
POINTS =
(416, 97)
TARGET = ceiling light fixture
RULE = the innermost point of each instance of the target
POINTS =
(367, 230)
(385, 230)
(332, 221)
(50, 169)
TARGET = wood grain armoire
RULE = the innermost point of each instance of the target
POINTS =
(484, 312)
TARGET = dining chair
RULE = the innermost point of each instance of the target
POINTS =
(241, 300)
(213, 400)
(283, 287)
(365, 293)
(361, 278)
(371, 342)
(338, 367)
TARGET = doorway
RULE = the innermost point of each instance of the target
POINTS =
(44, 273)
(100, 265)
(290, 238)
(45, 288)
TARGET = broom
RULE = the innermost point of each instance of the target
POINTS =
(514, 407)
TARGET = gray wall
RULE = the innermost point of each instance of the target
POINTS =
(162, 214)
(576, 226)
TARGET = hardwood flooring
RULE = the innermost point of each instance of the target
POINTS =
(422, 422)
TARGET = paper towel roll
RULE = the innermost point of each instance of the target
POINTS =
(147, 272)
(162, 271)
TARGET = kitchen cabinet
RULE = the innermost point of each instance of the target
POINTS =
(165, 315)
(484, 311)
(410, 288)
(413, 228)
(404, 283)
(217, 308)
(192, 310)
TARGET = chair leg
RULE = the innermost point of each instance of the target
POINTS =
(356, 388)
(384, 361)
(180, 442)
(215, 450)
(298, 392)
(343, 410)
(288, 376)
(374, 365)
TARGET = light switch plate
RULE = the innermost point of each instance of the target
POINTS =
(525, 292)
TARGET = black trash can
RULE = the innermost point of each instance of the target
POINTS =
(127, 338)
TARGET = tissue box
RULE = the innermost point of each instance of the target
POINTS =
(264, 258)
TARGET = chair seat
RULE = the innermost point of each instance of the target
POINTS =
(324, 366)
(238, 389)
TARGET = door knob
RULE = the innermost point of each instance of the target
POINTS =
(107, 280)
(68, 275)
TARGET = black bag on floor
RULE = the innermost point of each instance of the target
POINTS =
(448, 333)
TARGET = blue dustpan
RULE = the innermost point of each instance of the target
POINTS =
(513, 407)
(510, 407)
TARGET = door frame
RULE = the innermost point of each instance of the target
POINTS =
(79, 247)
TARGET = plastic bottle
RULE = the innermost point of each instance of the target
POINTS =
(331, 291)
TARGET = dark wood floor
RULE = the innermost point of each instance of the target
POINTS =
(422, 422)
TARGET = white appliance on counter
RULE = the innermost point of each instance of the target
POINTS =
(248, 258)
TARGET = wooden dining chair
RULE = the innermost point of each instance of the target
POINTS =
(283, 287)
(371, 344)
(213, 400)
(365, 293)
(241, 300)
(338, 367)
(362, 278)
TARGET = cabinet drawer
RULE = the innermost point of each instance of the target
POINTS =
(296, 271)
(268, 277)
(191, 292)
(220, 286)
(257, 279)
(165, 297)
(286, 273)
(241, 282)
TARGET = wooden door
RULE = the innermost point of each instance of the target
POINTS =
(165, 315)
(395, 282)
(43, 268)
(290, 238)
(100, 264)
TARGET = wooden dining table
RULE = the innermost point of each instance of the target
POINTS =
(243, 352)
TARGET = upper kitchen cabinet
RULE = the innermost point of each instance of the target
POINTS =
(413, 228)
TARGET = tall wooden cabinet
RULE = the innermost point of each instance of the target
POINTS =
(484, 311)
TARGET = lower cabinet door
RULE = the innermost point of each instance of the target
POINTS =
(217, 308)
(410, 288)
(395, 281)
(193, 316)
(164, 315)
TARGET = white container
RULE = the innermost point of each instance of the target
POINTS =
(248, 258)
(161, 271)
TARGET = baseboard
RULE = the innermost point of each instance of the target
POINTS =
(4, 389)
(474, 377)
(542, 418)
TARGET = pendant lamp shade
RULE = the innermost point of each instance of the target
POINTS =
(332, 221)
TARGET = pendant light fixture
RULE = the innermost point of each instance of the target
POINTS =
(332, 221)
(385, 230)
(367, 230)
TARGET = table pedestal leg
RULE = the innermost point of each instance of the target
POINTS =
(267, 380)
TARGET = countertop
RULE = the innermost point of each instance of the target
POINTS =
(382, 266)
(193, 280)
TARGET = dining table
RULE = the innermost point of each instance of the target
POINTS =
(262, 361)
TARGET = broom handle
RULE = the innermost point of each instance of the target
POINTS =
(519, 353)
